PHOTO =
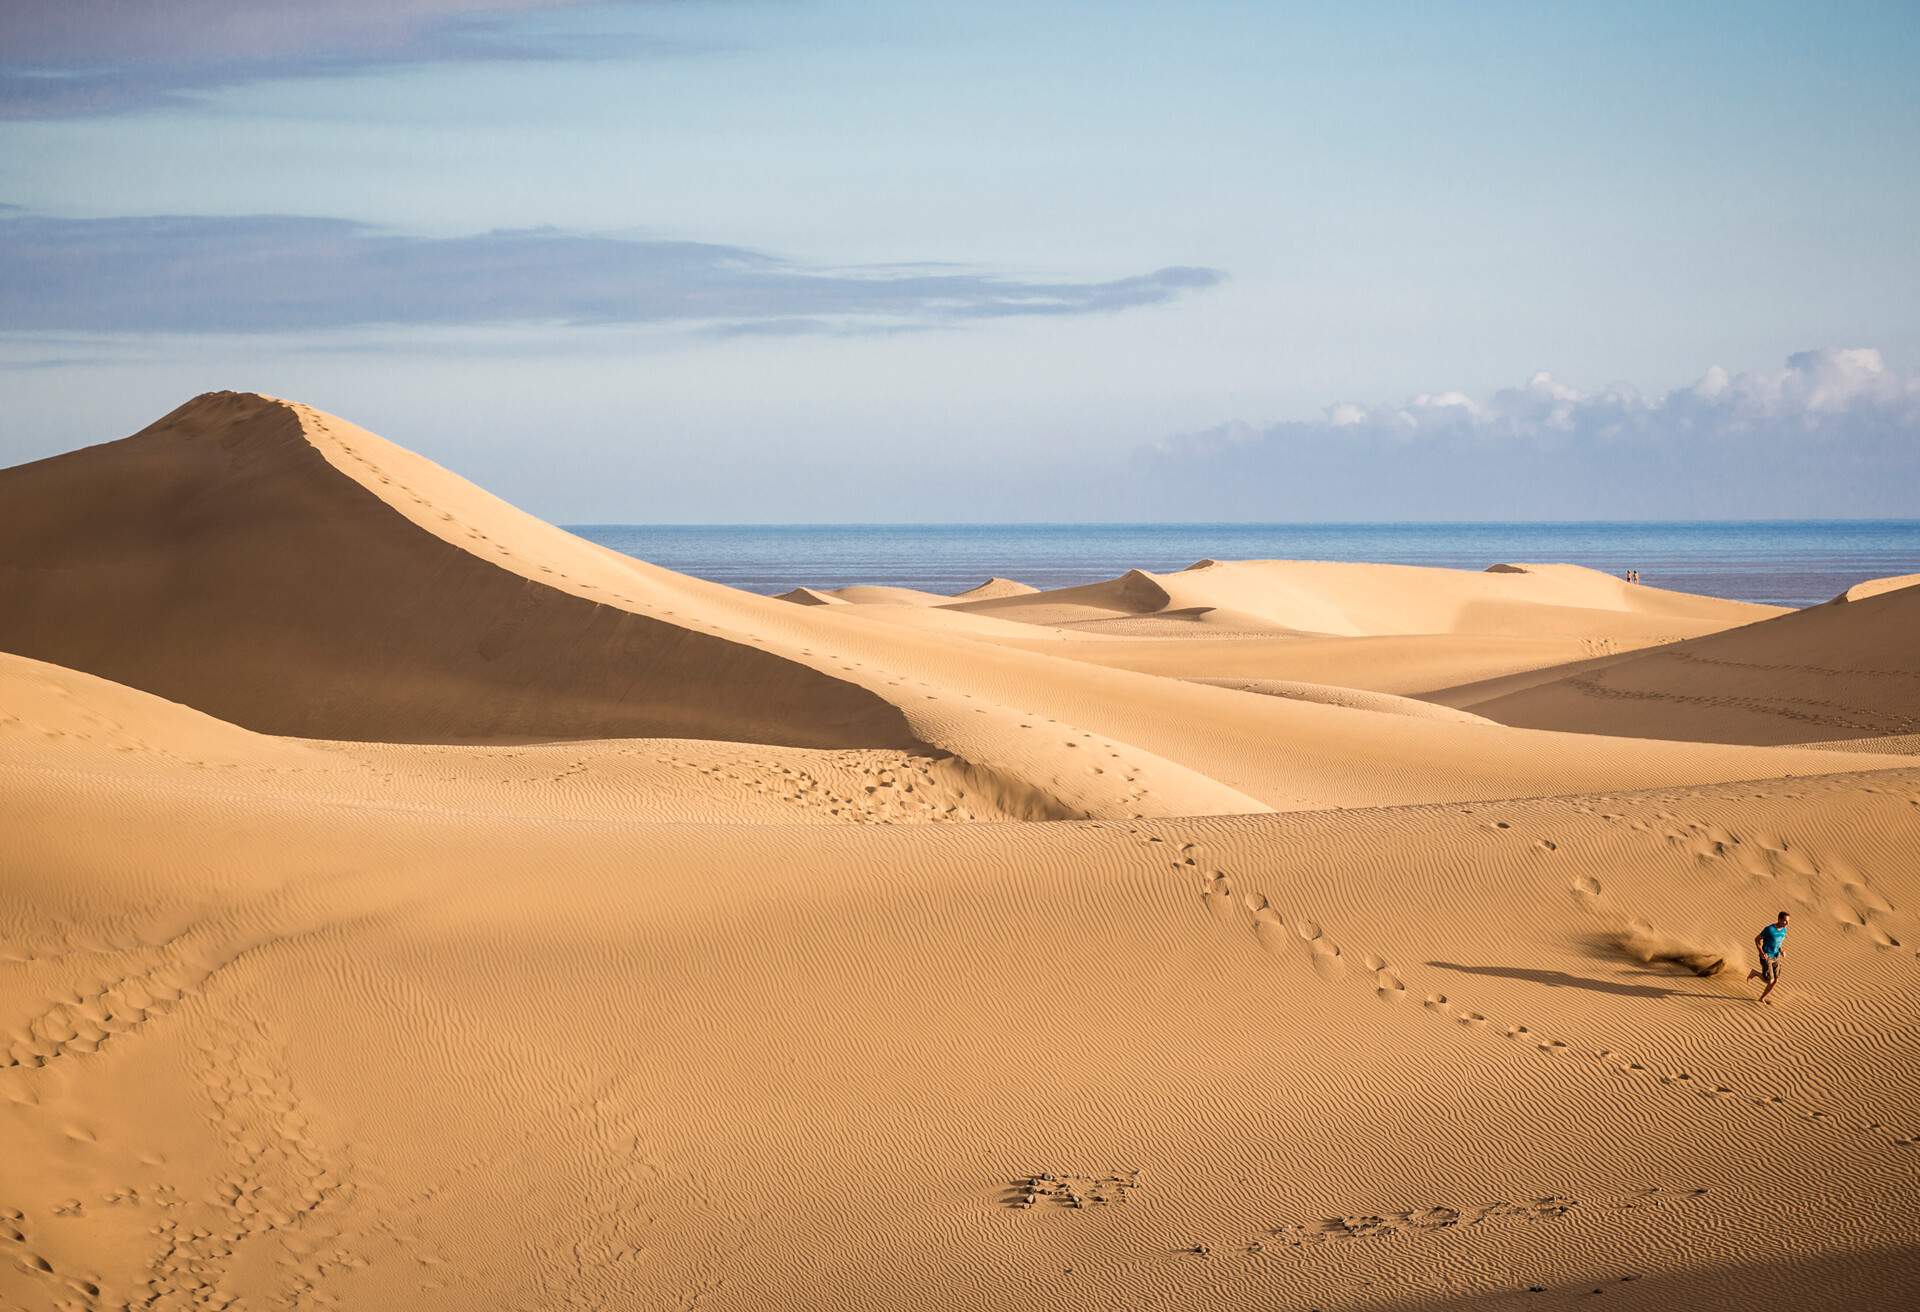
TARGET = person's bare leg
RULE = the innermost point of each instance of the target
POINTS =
(1772, 981)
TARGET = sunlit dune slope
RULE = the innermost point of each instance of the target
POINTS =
(1846, 670)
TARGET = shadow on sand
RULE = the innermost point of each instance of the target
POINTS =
(1560, 979)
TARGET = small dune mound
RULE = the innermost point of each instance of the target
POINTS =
(996, 587)
(1506, 569)
(1205, 563)
(1877, 587)
(811, 597)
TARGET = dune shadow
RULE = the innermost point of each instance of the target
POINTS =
(1560, 979)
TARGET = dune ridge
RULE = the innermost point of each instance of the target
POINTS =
(1848, 669)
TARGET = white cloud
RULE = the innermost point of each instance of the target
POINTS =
(1832, 432)
(1814, 388)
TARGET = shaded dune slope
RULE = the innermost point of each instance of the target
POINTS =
(1847, 670)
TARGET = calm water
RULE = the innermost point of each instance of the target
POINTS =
(1791, 563)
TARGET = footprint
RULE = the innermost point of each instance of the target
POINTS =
(1269, 928)
(1861, 895)
(1327, 961)
(1587, 885)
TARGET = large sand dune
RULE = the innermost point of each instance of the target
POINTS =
(285, 570)
(611, 939)
(1849, 669)
(268, 565)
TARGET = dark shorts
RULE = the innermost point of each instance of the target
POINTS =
(1769, 968)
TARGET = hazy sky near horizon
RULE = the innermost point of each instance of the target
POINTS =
(736, 260)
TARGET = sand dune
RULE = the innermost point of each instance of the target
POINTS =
(1874, 587)
(1404, 664)
(812, 597)
(1846, 670)
(1355, 600)
(1258, 986)
(869, 594)
(285, 570)
(61, 722)
(996, 587)
(265, 564)
(380, 1052)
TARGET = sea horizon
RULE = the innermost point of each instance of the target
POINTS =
(1792, 562)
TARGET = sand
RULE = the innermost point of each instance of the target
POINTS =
(1849, 669)
(408, 905)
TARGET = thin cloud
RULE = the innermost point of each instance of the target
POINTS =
(289, 273)
(78, 58)
(1833, 431)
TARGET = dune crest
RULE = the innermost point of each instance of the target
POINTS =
(996, 587)
(1875, 587)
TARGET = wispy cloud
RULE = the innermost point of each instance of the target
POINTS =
(74, 58)
(1833, 431)
(280, 273)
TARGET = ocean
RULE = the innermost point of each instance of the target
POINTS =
(1788, 563)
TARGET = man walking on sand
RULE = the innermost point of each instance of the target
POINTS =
(1771, 941)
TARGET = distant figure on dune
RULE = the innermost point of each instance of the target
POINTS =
(1633, 576)
(1772, 941)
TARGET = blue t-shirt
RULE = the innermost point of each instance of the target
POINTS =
(1772, 938)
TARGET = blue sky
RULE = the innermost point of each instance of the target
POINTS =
(769, 261)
